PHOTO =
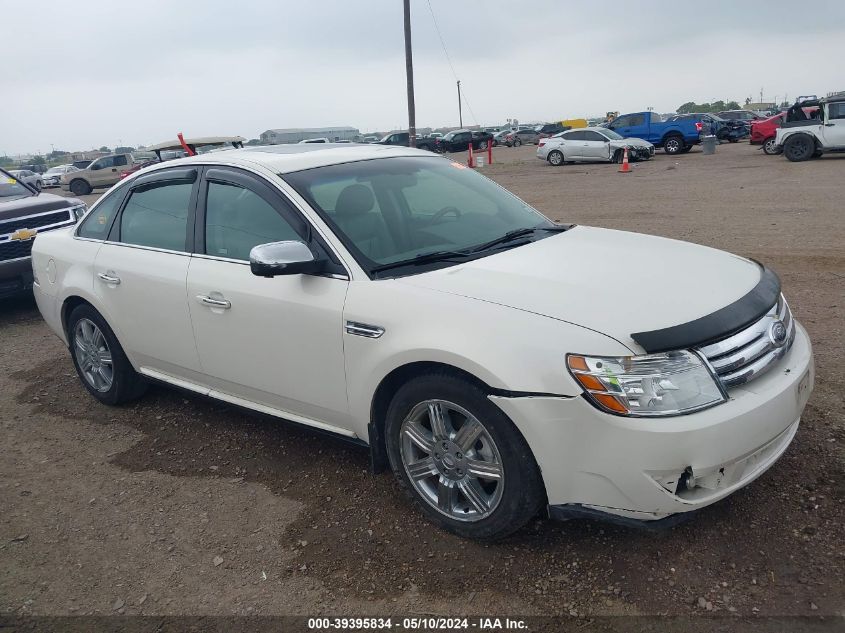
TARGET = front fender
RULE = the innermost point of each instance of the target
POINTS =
(506, 348)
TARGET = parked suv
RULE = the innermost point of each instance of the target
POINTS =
(823, 132)
(412, 306)
(520, 137)
(403, 139)
(24, 213)
(103, 172)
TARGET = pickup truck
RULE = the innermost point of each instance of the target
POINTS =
(403, 139)
(675, 137)
(24, 213)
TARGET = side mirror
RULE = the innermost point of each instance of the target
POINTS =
(283, 258)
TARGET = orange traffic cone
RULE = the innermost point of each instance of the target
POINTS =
(625, 168)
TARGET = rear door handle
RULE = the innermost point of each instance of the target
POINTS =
(109, 278)
(214, 303)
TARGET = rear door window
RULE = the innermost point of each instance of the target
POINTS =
(156, 215)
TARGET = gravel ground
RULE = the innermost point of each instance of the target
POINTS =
(179, 505)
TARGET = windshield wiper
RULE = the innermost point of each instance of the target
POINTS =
(514, 235)
(423, 258)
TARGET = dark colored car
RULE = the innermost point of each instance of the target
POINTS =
(731, 130)
(24, 212)
(740, 115)
(460, 140)
(403, 139)
(549, 129)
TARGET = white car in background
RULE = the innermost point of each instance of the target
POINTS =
(53, 176)
(592, 144)
(29, 177)
(410, 305)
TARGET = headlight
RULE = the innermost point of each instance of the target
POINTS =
(652, 385)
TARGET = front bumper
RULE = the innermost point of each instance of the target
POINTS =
(634, 467)
(15, 276)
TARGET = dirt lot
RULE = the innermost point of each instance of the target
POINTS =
(176, 505)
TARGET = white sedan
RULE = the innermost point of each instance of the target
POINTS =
(592, 144)
(53, 176)
(410, 305)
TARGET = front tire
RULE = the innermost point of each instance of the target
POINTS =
(799, 147)
(674, 145)
(555, 158)
(517, 143)
(99, 359)
(460, 459)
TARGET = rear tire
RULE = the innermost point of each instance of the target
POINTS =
(517, 143)
(555, 158)
(674, 145)
(770, 147)
(799, 147)
(80, 188)
(99, 359)
(492, 507)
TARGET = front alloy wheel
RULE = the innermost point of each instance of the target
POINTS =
(460, 458)
(451, 460)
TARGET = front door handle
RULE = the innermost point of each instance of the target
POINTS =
(213, 302)
(109, 278)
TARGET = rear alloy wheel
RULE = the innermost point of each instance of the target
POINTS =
(674, 145)
(80, 188)
(99, 359)
(555, 158)
(461, 459)
(770, 147)
(517, 142)
(799, 147)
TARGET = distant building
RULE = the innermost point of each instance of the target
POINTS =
(294, 135)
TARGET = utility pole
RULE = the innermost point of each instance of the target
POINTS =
(460, 115)
(409, 73)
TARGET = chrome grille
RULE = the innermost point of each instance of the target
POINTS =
(752, 351)
(16, 249)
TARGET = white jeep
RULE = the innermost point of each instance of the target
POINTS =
(810, 138)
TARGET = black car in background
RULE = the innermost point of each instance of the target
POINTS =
(403, 139)
(25, 212)
(460, 140)
(731, 130)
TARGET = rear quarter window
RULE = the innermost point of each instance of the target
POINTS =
(97, 223)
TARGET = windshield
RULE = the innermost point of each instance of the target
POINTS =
(56, 170)
(11, 188)
(393, 210)
(613, 136)
(449, 136)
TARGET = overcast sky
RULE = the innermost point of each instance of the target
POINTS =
(87, 73)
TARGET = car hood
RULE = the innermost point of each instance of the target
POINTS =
(43, 202)
(613, 282)
(630, 142)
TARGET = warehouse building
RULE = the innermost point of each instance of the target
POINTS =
(294, 135)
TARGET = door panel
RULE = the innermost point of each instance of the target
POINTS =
(147, 307)
(280, 341)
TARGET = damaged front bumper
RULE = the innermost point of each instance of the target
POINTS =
(645, 470)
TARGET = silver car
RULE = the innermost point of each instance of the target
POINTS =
(29, 177)
(53, 176)
(522, 137)
(592, 144)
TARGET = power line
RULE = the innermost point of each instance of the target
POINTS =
(449, 59)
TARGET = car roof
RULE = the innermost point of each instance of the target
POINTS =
(281, 159)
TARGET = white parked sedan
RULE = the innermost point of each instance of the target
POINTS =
(411, 305)
(592, 144)
(53, 176)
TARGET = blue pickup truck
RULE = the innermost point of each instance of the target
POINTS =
(675, 137)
